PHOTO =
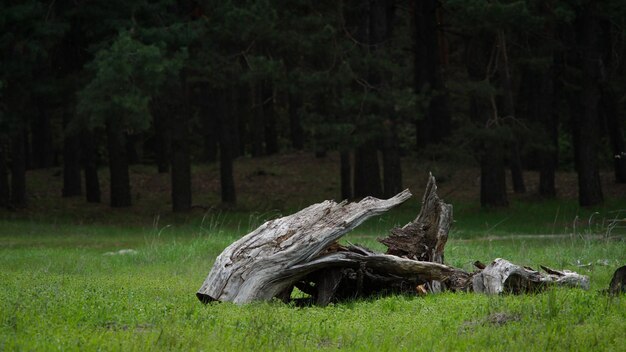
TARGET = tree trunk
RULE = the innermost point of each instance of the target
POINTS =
(118, 165)
(392, 169)
(4, 175)
(492, 182)
(345, 170)
(517, 171)
(375, 29)
(589, 186)
(269, 116)
(508, 110)
(490, 150)
(367, 171)
(320, 152)
(41, 141)
(225, 107)
(131, 148)
(181, 162)
(206, 110)
(586, 112)
(492, 166)
(547, 173)
(245, 116)
(90, 164)
(549, 159)
(18, 171)
(547, 98)
(72, 185)
(537, 105)
(257, 127)
(27, 152)
(163, 138)
(210, 135)
(237, 147)
(614, 124)
(181, 166)
(295, 125)
(435, 125)
(613, 66)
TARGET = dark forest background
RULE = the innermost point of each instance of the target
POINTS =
(507, 85)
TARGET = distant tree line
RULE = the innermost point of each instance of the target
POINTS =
(84, 84)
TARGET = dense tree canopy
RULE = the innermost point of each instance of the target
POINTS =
(515, 84)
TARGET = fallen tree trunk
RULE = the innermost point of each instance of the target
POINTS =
(301, 251)
(270, 259)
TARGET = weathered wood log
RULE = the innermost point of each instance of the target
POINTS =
(301, 251)
(425, 237)
(502, 276)
(272, 258)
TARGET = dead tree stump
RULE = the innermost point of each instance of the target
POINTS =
(425, 238)
(301, 251)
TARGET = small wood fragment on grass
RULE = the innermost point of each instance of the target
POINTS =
(122, 252)
(502, 276)
(618, 282)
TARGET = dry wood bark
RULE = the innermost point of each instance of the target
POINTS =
(618, 282)
(270, 259)
(424, 238)
(301, 251)
(503, 276)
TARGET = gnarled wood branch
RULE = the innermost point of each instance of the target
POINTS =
(270, 259)
(301, 250)
(425, 237)
(503, 276)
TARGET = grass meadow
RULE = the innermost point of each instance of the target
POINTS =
(62, 290)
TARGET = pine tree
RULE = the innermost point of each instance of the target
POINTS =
(125, 78)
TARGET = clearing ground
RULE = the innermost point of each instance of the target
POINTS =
(79, 276)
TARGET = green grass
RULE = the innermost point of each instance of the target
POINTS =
(60, 292)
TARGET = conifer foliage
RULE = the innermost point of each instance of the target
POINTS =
(514, 84)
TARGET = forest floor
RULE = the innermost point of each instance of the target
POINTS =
(271, 186)
(67, 286)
